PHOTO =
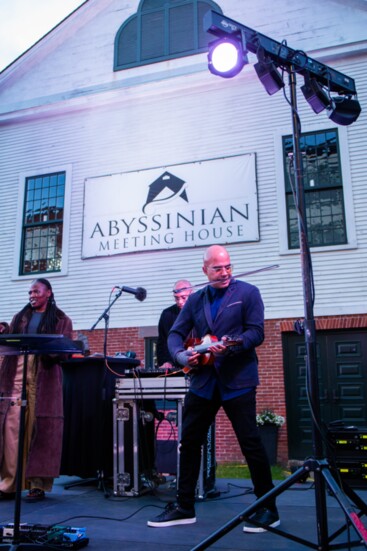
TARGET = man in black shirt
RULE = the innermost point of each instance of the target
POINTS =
(181, 290)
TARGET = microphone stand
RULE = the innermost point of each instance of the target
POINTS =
(105, 315)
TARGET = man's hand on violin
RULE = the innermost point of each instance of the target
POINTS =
(188, 357)
(227, 345)
(209, 348)
(218, 349)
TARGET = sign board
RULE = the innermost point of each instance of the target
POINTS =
(188, 205)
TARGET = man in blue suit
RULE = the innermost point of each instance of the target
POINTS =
(232, 311)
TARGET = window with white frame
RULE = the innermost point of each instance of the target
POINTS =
(42, 224)
(323, 188)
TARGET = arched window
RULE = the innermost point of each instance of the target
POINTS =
(160, 30)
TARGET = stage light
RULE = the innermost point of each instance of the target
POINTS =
(228, 54)
(315, 95)
(344, 110)
(268, 75)
(226, 57)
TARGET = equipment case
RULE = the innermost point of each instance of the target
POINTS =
(134, 445)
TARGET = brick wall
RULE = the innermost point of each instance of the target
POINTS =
(271, 392)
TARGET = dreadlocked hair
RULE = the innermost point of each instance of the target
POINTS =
(51, 315)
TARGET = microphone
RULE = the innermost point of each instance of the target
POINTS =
(140, 293)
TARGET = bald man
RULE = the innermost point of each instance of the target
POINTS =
(232, 311)
(181, 291)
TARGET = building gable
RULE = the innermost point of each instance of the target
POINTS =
(75, 59)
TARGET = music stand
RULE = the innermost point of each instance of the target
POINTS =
(24, 345)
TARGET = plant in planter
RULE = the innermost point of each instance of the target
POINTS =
(268, 417)
(269, 423)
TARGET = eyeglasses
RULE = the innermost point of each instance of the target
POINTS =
(218, 269)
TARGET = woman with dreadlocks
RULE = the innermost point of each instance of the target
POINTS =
(44, 411)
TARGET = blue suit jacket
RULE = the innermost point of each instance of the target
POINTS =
(241, 314)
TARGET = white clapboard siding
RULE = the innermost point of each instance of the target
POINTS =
(62, 106)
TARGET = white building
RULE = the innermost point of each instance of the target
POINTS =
(115, 102)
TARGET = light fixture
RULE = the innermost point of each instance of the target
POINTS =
(267, 73)
(344, 110)
(228, 54)
(226, 57)
(315, 95)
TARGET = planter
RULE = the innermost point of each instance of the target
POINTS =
(269, 437)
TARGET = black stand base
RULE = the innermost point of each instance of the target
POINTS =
(353, 508)
(99, 481)
(16, 345)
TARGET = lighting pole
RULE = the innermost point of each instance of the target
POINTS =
(309, 321)
(272, 54)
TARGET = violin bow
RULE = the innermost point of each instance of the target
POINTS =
(244, 274)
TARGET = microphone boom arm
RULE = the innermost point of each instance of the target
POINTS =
(104, 315)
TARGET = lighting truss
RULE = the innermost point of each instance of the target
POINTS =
(281, 54)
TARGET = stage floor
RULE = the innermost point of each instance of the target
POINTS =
(119, 523)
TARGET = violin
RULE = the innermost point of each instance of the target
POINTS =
(202, 346)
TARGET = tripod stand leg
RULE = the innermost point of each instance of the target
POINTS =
(98, 480)
(349, 511)
(354, 497)
(321, 512)
(244, 515)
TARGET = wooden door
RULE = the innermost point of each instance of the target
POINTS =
(342, 374)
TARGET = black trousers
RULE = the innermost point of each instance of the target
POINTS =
(198, 414)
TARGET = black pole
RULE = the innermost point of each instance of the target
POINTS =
(317, 464)
(19, 475)
(309, 321)
(26, 349)
(292, 61)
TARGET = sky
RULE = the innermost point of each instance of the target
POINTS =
(23, 22)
